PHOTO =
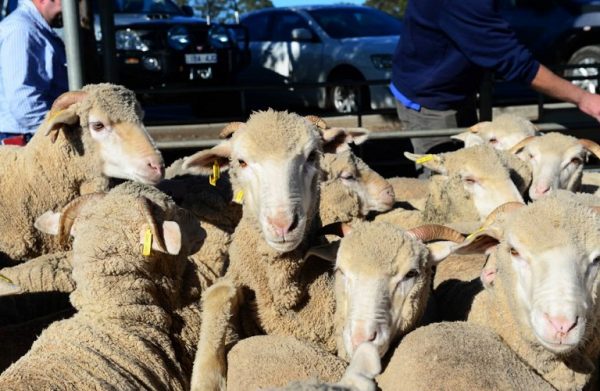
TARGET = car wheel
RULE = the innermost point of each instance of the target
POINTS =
(345, 99)
(585, 56)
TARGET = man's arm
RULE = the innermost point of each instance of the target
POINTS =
(546, 82)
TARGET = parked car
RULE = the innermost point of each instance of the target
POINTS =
(312, 44)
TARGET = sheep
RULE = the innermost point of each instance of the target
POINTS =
(307, 364)
(556, 161)
(457, 356)
(472, 182)
(503, 132)
(129, 268)
(87, 137)
(542, 298)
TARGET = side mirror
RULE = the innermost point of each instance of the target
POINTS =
(187, 10)
(301, 34)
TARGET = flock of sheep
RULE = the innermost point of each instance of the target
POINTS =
(226, 270)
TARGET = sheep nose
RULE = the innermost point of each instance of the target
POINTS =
(282, 224)
(541, 189)
(387, 196)
(561, 324)
(156, 165)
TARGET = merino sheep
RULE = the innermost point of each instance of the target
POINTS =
(503, 132)
(472, 182)
(556, 161)
(542, 299)
(129, 258)
(87, 136)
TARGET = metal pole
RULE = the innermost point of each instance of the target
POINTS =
(485, 97)
(107, 26)
(72, 44)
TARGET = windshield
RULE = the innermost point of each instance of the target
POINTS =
(356, 22)
(147, 6)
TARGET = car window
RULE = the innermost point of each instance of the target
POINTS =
(147, 6)
(257, 26)
(284, 23)
(348, 22)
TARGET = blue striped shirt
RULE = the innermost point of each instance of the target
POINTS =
(33, 70)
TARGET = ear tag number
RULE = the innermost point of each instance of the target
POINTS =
(147, 246)
(424, 159)
(212, 179)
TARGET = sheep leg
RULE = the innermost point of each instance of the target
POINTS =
(51, 272)
(220, 302)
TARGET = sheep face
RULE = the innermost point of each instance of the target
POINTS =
(556, 162)
(502, 133)
(373, 191)
(274, 158)
(478, 173)
(547, 263)
(382, 281)
(111, 118)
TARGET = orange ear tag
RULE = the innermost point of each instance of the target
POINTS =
(212, 179)
(147, 246)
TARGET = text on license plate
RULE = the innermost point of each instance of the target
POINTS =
(201, 58)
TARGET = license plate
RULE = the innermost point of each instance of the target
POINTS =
(201, 58)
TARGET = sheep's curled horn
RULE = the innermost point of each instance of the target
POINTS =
(504, 208)
(70, 213)
(61, 103)
(230, 129)
(425, 233)
(317, 121)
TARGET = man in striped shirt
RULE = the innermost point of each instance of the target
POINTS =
(33, 70)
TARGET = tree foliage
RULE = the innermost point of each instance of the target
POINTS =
(223, 10)
(392, 7)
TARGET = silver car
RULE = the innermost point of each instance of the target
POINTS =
(312, 44)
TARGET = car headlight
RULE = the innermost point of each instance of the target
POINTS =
(130, 40)
(219, 38)
(179, 37)
(382, 61)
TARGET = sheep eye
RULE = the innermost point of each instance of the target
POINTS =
(347, 176)
(411, 274)
(242, 163)
(470, 180)
(530, 156)
(493, 140)
(514, 252)
(576, 161)
(97, 126)
(596, 261)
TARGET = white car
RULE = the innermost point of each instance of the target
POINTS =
(312, 44)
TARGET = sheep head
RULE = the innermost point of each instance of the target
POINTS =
(478, 173)
(382, 280)
(547, 256)
(505, 131)
(111, 118)
(556, 161)
(373, 191)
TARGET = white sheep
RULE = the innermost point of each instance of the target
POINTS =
(503, 132)
(130, 253)
(556, 161)
(542, 300)
(87, 136)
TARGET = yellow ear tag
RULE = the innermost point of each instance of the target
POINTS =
(147, 247)
(2, 277)
(54, 115)
(424, 159)
(475, 233)
(212, 179)
(239, 197)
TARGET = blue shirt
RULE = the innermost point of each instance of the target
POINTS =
(447, 44)
(33, 70)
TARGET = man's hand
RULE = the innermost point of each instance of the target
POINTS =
(590, 105)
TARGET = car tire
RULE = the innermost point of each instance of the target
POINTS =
(344, 99)
(585, 56)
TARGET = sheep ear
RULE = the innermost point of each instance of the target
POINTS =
(57, 119)
(433, 162)
(49, 222)
(172, 237)
(438, 251)
(470, 139)
(327, 251)
(201, 162)
(336, 140)
(479, 242)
